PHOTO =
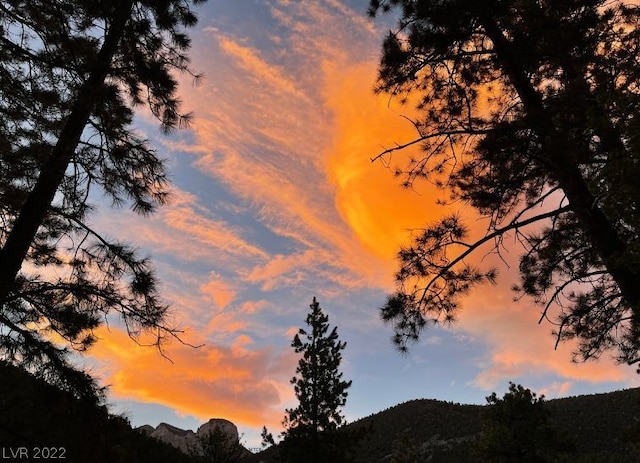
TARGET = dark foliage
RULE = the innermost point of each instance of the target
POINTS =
(530, 116)
(218, 447)
(311, 429)
(35, 414)
(319, 386)
(425, 430)
(72, 72)
(599, 425)
(516, 428)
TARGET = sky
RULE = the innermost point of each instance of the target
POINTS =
(274, 201)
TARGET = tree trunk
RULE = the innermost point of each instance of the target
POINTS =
(34, 210)
(609, 245)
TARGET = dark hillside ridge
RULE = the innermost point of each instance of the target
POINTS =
(442, 426)
(599, 424)
(49, 423)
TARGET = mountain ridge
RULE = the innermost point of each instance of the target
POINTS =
(601, 425)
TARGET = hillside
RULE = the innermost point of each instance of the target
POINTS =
(50, 424)
(443, 432)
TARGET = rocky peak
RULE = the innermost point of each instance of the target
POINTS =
(226, 426)
(186, 440)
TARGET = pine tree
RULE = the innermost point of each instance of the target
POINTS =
(530, 116)
(72, 72)
(516, 428)
(310, 428)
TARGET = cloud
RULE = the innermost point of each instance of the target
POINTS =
(269, 143)
(187, 216)
(368, 196)
(517, 345)
(219, 291)
(185, 229)
(249, 60)
(264, 131)
(281, 270)
(213, 380)
(556, 389)
(252, 307)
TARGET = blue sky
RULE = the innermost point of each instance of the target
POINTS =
(275, 201)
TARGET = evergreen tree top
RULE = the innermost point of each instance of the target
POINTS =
(321, 392)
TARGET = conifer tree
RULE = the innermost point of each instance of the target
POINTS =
(516, 428)
(529, 114)
(72, 72)
(310, 428)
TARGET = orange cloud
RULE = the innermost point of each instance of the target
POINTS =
(219, 291)
(380, 215)
(556, 389)
(185, 229)
(518, 345)
(235, 381)
(292, 331)
(224, 323)
(252, 307)
(187, 217)
(270, 150)
(249, 60)
(271, 274)
(368, 196)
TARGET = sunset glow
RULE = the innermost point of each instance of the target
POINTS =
(275, 200)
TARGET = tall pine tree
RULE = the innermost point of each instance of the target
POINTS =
(310, 428)
(529, 114)
(72, 72)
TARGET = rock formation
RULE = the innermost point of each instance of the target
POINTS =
(226, 426)
(187, 440)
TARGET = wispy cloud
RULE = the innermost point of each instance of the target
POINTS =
(220, 292)
(263, 73)
(272, 142)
